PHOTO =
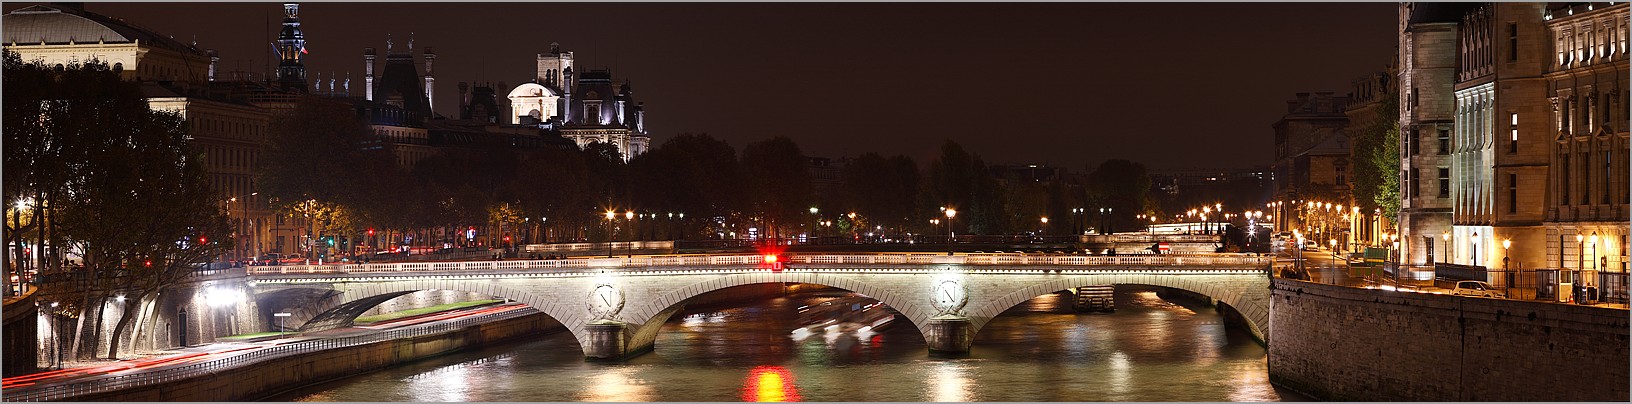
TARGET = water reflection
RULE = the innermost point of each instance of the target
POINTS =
(769, 383)
(616, 384)
(951, 383)
(1150, 349)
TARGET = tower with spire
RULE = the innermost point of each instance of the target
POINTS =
(291, 47)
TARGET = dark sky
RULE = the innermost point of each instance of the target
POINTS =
(1170, 85)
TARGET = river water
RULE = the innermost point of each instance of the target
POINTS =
(1150, 349)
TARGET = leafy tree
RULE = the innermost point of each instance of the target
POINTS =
(124, 187)
(1385, 161)
(778, 185)
(1122, 186)
(1371, 176)
(693, 174)
(880, 188)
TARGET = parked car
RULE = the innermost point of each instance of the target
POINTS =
(1476, 289)
(1311, 245)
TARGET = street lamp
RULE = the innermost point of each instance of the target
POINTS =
(1474, 258)
(950, 236)
(1593, 241)
(610, 216)
(1506, 244)
(1044, 228)
(1446, 245)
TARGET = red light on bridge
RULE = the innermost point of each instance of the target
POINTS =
(770, 258)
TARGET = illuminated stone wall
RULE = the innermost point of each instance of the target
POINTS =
(1349, 344)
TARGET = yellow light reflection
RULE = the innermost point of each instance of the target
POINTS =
(951, 383)
(769, 384)
(617, 385)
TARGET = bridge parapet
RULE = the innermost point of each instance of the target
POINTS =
(737, 261)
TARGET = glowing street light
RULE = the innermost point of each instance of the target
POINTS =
(950, 236)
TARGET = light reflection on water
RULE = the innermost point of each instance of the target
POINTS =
(1148, 350)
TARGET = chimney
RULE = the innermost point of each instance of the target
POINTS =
(430, 99)
(368, 74)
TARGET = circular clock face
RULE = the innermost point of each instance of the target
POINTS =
(949, 296)
(605, 302)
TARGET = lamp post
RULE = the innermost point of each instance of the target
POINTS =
(629, 215)
(1473, 258)
(1506, 245)
(610, 216)
(950, 236)
(1580, 251)
(1446, 246)
(1593, 241)
(1332, 242)
(1044, 228)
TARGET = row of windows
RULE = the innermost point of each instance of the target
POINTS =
(207, 125)
(220, 158)
(1587, 41)
(1576, 177)
(1582, 113)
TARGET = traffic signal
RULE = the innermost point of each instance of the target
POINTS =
(203, 240)
(370, 231)
(773, 261)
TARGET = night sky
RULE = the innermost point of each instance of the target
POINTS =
(1174, 86)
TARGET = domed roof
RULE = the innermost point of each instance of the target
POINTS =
(532, 90)
(60, 25)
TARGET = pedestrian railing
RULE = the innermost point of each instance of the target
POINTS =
(102, 384)
(1234, 261)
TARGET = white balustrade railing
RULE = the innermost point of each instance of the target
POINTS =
(103, 384)
(1229, 262)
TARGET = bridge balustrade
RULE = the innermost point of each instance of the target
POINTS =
(754, 260)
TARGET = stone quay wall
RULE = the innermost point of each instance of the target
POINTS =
(278, 375)
(1351, 344)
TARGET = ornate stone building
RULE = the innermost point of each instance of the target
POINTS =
(1494, 138)
(1311, 150)
(1533, 167)
(1427, 73)
(1582, 136)
(585, 107)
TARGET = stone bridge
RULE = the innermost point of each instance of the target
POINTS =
(615, 306)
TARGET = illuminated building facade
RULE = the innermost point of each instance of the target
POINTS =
(1581, 136)
(583, 106)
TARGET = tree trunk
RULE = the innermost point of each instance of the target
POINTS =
(125, 318)
(96, 328)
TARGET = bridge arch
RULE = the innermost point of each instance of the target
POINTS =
(648, 318)
(1251, 302)
(356, 298)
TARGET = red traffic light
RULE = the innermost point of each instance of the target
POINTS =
(770, 258)
(203, 240)
(370, 232)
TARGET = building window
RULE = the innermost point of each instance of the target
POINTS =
(1513, 129)
(1564, 178)
(1586, 178)
(1512, 42)
(1444, 142)
(1413, 144)
(1415, 181)
(1444, 182)
(1605, 188)
(1512, 193)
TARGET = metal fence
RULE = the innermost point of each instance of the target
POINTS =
(119, 382)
